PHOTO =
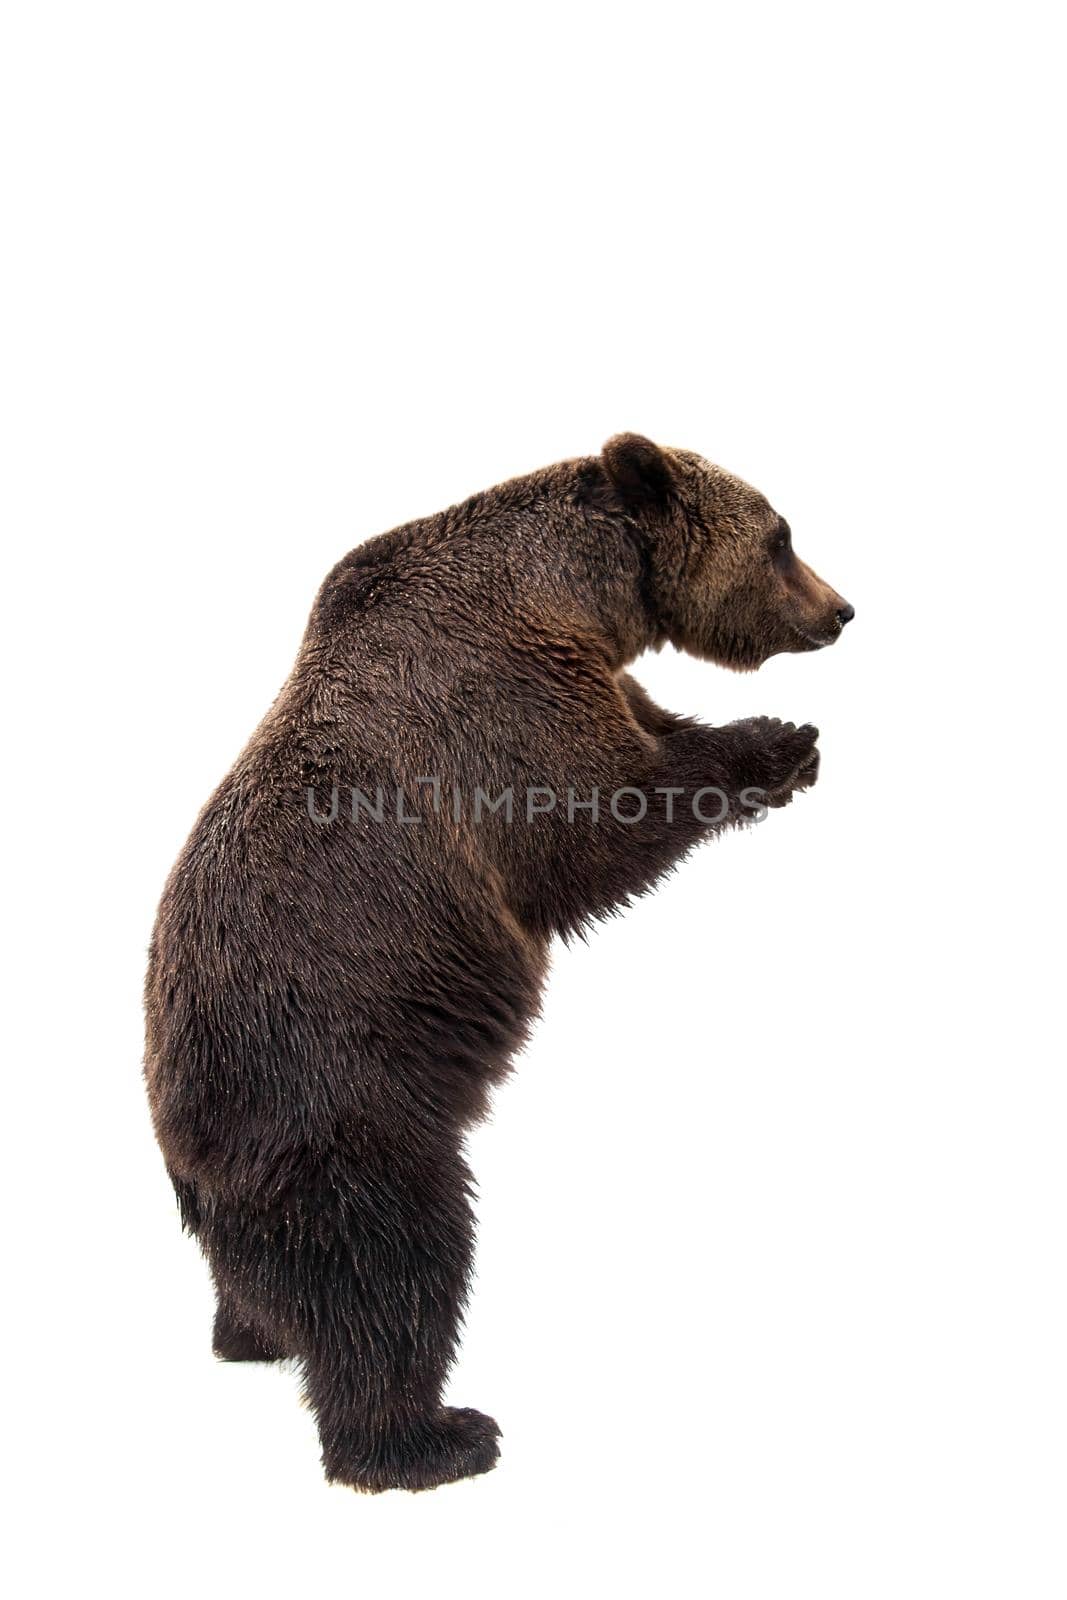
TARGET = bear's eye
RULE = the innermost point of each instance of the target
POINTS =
(781, 538)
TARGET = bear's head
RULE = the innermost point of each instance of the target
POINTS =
(723, 577)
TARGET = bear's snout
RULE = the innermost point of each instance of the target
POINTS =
(840, 615)
(820, 614)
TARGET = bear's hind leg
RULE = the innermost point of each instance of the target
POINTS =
(363, 1273)
(378, 1352)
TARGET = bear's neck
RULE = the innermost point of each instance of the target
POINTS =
(588, 574)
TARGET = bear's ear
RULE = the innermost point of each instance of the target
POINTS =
(639, 470)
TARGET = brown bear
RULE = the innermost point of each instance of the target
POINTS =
(351, 945)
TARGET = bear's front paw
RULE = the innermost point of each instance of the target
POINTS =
(780, 758)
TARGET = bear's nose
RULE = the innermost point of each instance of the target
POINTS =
(846, 614)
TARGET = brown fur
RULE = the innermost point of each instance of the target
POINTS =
(328, 1005)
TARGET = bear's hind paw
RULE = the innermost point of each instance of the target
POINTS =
(457, 1443)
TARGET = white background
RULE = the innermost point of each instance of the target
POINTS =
(770, 1296)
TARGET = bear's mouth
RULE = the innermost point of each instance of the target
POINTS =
(812, 639)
